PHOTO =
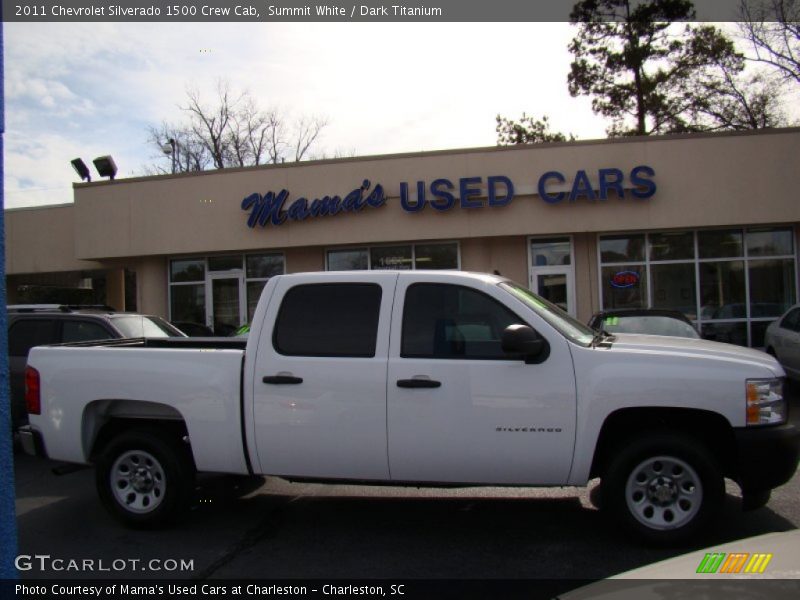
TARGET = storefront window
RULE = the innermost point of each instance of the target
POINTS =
(730, 333)
(722, 290)
(771, 287)
(624, 286)
(188, 303)
(258, 269)
(348, 260)
(671, 246)
(264, 266)
(418, 256)
(436, 256)
(742, 278)
(720, 243)
(622, 248)
(391, 257)
(187, 270)
(674, 287)
(766, 242)
(200, 287)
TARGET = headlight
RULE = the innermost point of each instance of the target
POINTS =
(765, 402)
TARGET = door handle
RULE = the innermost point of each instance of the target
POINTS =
(282, 379)
(418, 383)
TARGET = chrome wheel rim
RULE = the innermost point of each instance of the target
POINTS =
(664, 493)
(138, 481)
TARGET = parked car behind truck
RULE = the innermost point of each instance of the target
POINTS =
(32, 325)
(421, 378)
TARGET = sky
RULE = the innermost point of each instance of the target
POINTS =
(87, 90)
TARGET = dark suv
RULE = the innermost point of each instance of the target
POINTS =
(32, 325)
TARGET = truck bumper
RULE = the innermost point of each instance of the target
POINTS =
(32, 441)
(768, 456)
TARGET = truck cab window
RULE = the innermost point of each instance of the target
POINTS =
(451, 321)
(339, 319)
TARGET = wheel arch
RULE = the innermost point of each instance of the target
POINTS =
(710, 429)
(103, 420)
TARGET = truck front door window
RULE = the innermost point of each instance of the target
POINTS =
(450, 321)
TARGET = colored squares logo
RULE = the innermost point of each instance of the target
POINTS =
(734, 563)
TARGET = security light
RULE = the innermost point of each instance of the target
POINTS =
(81, 169)
(106, 167)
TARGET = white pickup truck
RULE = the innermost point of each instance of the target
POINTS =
(423, 378)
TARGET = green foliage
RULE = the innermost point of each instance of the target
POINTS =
(527, 131)
(649, 73)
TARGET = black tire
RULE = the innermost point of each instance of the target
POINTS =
(145, 478)
(663, 488)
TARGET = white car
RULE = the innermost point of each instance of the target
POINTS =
(782, 340)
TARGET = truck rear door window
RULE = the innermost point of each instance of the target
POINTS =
(339, 319)
(451, 321)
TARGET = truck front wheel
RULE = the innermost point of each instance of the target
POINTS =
(145, 478)
(664, 488)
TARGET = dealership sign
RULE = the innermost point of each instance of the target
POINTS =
(444, 194)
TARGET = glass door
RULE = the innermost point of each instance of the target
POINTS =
(552, 274)
(227, 311)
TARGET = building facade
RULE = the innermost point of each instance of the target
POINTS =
(705, 224)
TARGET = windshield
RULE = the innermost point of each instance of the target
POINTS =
(136, 326)
(568, 326)
(650, 325)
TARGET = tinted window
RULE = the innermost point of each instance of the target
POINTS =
(449, 321)
(329, 320)
(27, 333)
(83, 331)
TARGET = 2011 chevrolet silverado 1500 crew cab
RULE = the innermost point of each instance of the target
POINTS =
(415, 377)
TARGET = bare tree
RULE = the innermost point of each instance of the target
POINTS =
(307, 129)
(232, 131)
(772, 29)
(183, 153)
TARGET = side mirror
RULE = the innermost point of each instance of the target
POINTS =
(521, 339)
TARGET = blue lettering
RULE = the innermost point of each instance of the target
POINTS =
(298, 211)
(272, 209)
(404, 201)
(543, 193)
(352, 202)
(376, 198)
(611, 179)
(254, 201)
(493, 199)
(467, 192)
(645, 188)
(581, 187)
(444, 199)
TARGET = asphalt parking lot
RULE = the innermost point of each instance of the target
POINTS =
(274, 529)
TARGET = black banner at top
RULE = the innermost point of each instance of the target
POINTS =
(316, 10)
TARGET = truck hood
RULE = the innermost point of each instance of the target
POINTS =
(695, 348)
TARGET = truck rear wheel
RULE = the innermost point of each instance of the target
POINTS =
(664, 488)
(145, 478)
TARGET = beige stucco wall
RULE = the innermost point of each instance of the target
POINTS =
(712, 180)
(151, 285)
(42, 240)
(303, 260)
(702, 181)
